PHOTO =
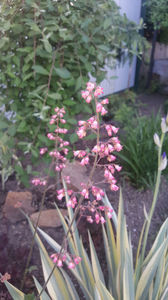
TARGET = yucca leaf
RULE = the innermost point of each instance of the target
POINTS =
(108, 204)
(110, 263)
(14, 292)
(57, 283)
(56, 286)
(87, 268)
(128, 278)
(97, 271)
(97, 294)
(158, 283)
(44, 295)
(103, 291)
(158, 240)
(78, 274)
(70, 285)
(165, 294)
(149, 273)
(65, 226)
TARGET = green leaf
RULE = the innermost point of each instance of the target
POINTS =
(78, 83)
(47, 46)
(3, 41)
(29, 297)
(39, 69)
(71, 121)
(14, 292)
(55, 96)
(90, 137)
(103, 48)
(69, 102)
(3, 125)
(73, 138)
(63, 73)
(44, 295)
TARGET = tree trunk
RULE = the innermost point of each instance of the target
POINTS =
(152, 58)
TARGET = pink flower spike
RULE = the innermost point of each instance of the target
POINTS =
(71, 265)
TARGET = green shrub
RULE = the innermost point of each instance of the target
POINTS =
(139, 156)
(48, 48)
(122, 108)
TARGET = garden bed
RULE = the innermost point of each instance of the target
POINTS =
(16, 237)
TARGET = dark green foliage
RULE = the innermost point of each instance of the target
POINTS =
(47, 50)
(122, 108)
(139, 155)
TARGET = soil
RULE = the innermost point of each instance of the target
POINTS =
(15, 239)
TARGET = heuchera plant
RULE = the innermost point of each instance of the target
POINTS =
(103, 150)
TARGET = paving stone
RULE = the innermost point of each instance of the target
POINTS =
(15, 199)
(77, 173)
(48, 218)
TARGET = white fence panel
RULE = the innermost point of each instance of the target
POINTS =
(125, 75)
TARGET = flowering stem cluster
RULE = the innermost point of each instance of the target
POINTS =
(104, 156)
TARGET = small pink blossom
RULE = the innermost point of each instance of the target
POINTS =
(114, 187)
(111, 158)
(79, 153)
(117, 167)
(105, 101)
(59, 263)
(85, 161)
(85, 94)
(90, 86)
(109, 215)
(71, 265)
(50, 136)
(97, 218)
(98, 91)
(88, 99)
(118, 147)
(89, 219)
(81, 123)
(81, 132)
(85, 193)
(77, 260)
(97, 192)
(43, 150)
(102, 220)
(99, 107)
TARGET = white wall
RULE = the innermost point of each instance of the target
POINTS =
(125, 75)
